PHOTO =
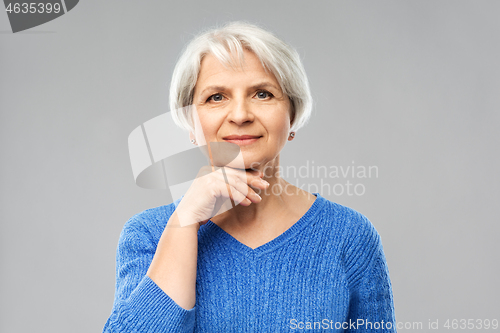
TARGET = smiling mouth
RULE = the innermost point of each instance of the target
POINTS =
(242, 140)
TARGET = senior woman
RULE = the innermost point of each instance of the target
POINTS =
(282, 260)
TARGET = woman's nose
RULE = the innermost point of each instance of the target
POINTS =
(240, 112)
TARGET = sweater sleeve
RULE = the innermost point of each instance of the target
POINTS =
(140, 305)
(371, 305)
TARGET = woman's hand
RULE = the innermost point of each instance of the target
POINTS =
(211, 191)
(173, 267)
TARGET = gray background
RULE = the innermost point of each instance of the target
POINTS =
(411, 87)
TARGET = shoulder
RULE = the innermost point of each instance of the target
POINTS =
(149, 224)
(359, 241)
(350, 224)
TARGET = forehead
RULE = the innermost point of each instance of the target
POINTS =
(212, 70)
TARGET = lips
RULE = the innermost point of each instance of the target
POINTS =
(242, 140)
(241, 137)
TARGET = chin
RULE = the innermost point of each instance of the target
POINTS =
(243, 166)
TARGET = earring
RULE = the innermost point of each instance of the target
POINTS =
(292, 134)
(193, 141)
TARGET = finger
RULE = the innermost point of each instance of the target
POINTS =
(228, 191)
(253, 178)
(259, 183)
(242, 187)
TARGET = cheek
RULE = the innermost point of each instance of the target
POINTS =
(210, 124)
(279, 130)
(283, 123)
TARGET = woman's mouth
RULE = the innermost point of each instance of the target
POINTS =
(242, 140)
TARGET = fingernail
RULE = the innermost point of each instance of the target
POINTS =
(264, 182)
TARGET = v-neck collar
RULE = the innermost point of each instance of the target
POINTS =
(288, 234)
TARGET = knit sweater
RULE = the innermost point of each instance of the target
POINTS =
(327, 272)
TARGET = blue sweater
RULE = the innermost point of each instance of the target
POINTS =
(325, 273)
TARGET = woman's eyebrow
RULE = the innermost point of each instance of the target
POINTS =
(264, 85)
(218, 88)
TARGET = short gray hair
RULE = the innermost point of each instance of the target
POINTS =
(274, 54)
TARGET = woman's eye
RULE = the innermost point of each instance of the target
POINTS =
(263, 94)
(215, 98)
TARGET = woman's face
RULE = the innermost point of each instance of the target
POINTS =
(244, 106)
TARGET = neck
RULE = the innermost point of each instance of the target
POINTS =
(274, 199)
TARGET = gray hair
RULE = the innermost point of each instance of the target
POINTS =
(275, 55)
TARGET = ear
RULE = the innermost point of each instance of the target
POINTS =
(292, 113)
